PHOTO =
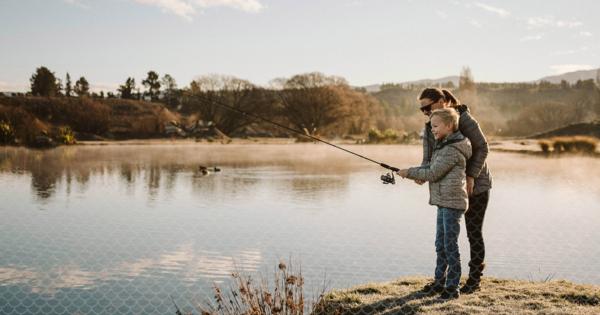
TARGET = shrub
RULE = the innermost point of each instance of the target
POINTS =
(576, 144)
(65, 135)
(388, 136)
(244, 296)
(7, 133)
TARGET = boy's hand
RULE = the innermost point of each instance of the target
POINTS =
(402, 173)
(420, 182)
(470, 185)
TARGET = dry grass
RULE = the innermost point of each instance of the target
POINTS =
(576, 144)
(247, 297)
(497, 296)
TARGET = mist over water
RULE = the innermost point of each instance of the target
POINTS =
(117, 228)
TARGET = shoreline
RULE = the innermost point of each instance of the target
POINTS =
(498, 296)
(519, 146)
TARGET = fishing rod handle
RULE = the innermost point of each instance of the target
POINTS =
(391, 168)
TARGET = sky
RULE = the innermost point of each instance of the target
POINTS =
(365, 41)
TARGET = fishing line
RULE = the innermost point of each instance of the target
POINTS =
(387, 179)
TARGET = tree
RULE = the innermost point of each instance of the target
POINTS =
(170, 89)
(314, 101)
(43, 82)
(82, 87)
(152, 84)
(466, 81)
(68, 87)
(467, 88)
(126, 89)
(207, 92)
(598, 77)
(59, 87)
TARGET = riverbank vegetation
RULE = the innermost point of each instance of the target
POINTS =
(314, 103)
(497, 296)
(401, 296)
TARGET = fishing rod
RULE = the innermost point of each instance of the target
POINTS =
(386, 179)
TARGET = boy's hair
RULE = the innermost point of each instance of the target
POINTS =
(449, 116)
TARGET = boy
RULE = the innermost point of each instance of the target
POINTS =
(448, 191)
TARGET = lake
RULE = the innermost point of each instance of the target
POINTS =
(105, 229)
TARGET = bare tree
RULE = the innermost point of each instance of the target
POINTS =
(313, 101)
(207, 93)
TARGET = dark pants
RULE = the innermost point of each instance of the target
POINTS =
(474, 223)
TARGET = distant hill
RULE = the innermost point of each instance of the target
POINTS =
(579, 129)
(571, 77)
(433, 82)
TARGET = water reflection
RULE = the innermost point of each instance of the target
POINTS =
(143, 219)
(186, 263)
(52, 169)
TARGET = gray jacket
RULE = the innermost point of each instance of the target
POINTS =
(476, 165)
(446, 173)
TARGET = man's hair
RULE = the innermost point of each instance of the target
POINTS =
(449, 116)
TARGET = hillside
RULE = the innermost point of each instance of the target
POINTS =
(33, 118)
(572, 77)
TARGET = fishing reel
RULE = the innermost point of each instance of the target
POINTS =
(388, 179)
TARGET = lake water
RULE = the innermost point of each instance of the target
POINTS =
(119, 228)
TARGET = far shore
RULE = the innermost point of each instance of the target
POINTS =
(524, 146)
(521, 146)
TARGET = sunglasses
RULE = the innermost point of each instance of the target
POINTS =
(427, 108)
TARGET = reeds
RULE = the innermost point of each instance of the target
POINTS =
(387, 136)
(246, 297)
(575, 144)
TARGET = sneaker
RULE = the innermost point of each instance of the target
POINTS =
(470, 286)
(450, 293)
(433, 287)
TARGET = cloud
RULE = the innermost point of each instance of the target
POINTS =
(585, 34)
(475, 23)
(442, 14)
(177, 7)
(531, 38)
(13, 87)
(558, 69)
(78, 3)
(499, 11)
(549, 21)
(188, 8)
(571, 51)
(244, 5)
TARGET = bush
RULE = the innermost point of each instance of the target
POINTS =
(388, 136)
(7, 133)
(245, 296)
(65, 135)
(577, 144)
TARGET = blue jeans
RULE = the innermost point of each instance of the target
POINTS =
(447, 267)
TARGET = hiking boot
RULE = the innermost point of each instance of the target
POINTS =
(450, 293)
(433, 287)
(470, 286)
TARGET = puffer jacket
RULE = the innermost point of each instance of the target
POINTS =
(476, 165)
(446, 173)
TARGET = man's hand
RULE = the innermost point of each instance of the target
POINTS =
(470, 185)
(420, 182)
(402, 173)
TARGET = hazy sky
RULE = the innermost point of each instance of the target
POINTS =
(365, 41)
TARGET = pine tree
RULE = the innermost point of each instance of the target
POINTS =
(82, 87)
(68, 87)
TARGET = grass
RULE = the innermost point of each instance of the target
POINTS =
(245, 296)
(576, 144)
(497, 296)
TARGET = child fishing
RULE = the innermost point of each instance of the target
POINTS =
(448, 191)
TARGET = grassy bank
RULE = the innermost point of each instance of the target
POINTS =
(497, 296)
